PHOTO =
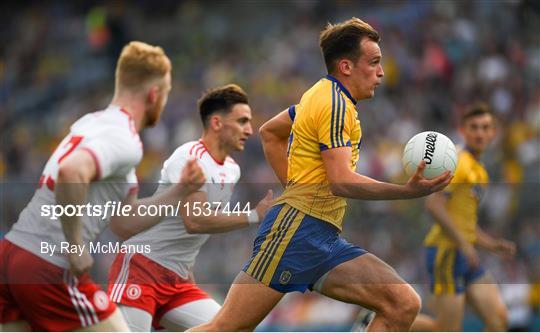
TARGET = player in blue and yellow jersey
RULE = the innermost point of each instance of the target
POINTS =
(299, 245)
(456, 275)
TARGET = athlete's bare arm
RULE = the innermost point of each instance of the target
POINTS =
(436, 205)
(499, 246)
(274, 137)
(191, 179)
(197, 223)
(75, 172)
(349, 184)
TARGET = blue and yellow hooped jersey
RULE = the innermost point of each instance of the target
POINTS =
(464, 194)
(325, 118)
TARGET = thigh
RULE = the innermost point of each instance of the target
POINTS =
(190, 314)
(449, 309)
(484, 297)
(247, 304)
(138, 320)
(364, 280)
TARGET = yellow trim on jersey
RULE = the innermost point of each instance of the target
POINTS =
(338, 117)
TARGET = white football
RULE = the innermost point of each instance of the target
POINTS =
(435, 148)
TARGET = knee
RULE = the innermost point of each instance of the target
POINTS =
(402, 304)
(411, 303)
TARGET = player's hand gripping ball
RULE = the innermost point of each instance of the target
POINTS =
(435, 148)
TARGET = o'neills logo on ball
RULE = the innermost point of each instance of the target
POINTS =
(431, 138)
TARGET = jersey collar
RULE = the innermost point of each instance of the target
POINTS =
(121, 109)
(471, 151)
(342, 87)
(218, 162)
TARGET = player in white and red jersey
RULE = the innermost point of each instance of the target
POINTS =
(156, 287)
(42, 286)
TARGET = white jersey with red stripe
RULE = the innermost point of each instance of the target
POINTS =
(114, 144)
(170, 244)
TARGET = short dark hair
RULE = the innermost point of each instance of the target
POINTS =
(342, 40)
(475, 110)
(220, 99)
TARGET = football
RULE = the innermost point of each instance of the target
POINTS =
(435, 148)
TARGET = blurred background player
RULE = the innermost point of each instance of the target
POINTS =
(159, 286)
(299, 246)
(455, 272)
(95, 163)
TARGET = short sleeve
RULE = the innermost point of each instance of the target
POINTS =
(115, 153)
(333, 123)
(292, 112)
(172, 170)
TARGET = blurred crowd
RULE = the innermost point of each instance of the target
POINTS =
(57, 63)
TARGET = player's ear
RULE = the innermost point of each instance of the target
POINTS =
(153, 95)
(215, 122)
(345, 66)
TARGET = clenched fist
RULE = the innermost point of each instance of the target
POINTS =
(192, 178)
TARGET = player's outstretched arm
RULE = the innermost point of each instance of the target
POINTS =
(274, 137)
(191, 179)
(349, 184)
(502, 247)
(218, 222)
(436, 206)
(74, 174)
